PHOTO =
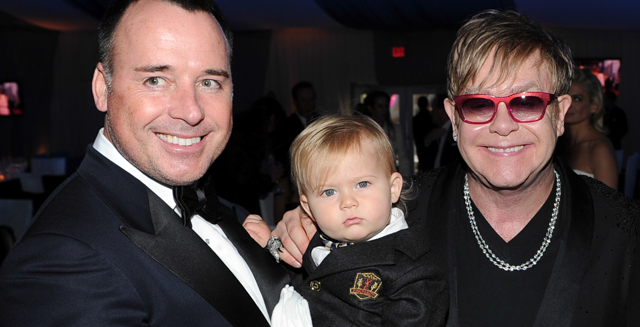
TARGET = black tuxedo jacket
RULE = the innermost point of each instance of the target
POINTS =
(450, 153)
(421, 126)
(595, 280)
(413, 289)
(106, 251)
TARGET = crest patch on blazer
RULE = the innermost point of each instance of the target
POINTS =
(366, 286)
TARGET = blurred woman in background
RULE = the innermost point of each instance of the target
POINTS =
(584, 145)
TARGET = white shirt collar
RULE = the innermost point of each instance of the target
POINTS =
(396, 224)
(107, 149)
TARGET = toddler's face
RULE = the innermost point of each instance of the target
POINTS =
(355, 202)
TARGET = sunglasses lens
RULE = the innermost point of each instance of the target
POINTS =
(478, 109)
(527, 108)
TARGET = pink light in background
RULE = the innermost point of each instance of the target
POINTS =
(394, 98)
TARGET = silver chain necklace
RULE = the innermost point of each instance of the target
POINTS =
(485, 248)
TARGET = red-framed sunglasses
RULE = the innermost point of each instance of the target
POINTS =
(523, 107)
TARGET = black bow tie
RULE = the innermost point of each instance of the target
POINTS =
(198, 198)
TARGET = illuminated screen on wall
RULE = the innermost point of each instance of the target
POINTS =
(606, 70)
(10, 101)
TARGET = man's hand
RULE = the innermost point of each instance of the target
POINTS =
(295, 230)
(258, 229)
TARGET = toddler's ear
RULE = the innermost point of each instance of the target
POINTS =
(396, 186)
(304, 203)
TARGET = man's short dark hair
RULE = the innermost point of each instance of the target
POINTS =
(114, 13)
(370, 100)
(301, 85)
(423, 102)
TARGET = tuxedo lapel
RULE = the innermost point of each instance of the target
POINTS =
(123, 193)
(561, 294)
(307, 261)
(270, 276)
(182, 252)
(176, 247)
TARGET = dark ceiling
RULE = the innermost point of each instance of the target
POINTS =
(367, 14)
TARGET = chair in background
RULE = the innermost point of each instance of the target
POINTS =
(42, 166)
(16, 214)
(31, 183)
(11, 189)
(619, 159)
(7, 240)
(47, 172)
(53, 166)
(631, 174)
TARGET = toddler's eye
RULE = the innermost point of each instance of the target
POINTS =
(363, 184)
(329, 192)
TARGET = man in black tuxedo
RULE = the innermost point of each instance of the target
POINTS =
(422, 124)
(304, 99)
(442, 148)
(109, 247)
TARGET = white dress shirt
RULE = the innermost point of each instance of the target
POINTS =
(210, 233)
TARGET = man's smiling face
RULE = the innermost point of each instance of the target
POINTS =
(503, 153)
(169, 105)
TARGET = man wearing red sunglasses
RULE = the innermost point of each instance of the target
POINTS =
(525, 240)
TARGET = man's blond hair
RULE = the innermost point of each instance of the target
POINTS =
(512, 38)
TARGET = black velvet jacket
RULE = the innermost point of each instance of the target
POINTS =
(594, 281)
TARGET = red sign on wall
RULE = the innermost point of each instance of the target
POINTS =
(397, 52)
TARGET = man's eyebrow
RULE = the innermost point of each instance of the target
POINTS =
(471, 90)
(530, 86)
(217, 72)
(152, 68)
(161, 68)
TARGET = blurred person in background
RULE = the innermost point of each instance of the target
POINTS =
(585, 147)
